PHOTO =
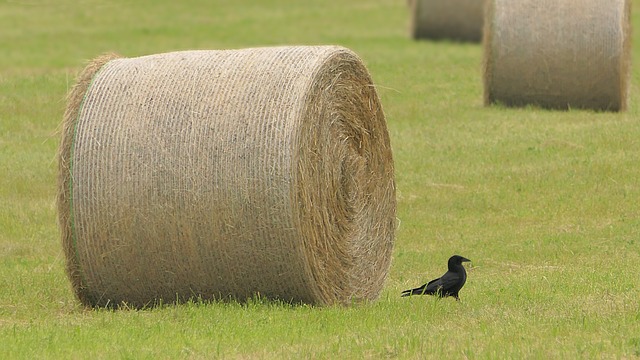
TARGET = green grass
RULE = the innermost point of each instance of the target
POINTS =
(545, 203)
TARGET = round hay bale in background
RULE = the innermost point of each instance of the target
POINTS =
(558, 53)
(447, 19)
(226, 174)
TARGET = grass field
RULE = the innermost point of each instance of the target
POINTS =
(545, 203)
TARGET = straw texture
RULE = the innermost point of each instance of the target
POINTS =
(226, 174)
(447, 19)
(558, 53)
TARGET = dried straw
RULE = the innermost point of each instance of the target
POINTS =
(460, 20)
(226, 174)
(558, 53)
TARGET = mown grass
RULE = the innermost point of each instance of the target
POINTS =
(545, 203)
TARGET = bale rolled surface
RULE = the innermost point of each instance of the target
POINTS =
(558, 53)
(226, 174)
(447, 19)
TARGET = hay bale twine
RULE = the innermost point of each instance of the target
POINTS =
(460, 20)
(226, 174)
(558, 54)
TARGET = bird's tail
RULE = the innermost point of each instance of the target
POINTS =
(416, 291)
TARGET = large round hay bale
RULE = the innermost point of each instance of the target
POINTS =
(447, 19)
(226, 174)
(558, 53)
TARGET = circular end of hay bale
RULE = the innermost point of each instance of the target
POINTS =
(460, 20)
(558, 55)
(227, 174)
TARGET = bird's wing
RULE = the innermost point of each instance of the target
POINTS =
(445, 283)
(433, 283)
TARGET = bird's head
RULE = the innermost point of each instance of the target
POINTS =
(457, 260)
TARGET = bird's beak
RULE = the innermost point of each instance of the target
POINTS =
(465, 260)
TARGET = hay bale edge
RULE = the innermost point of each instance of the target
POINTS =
(75, 100)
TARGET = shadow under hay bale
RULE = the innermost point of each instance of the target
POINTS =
(460, 20)
(557, 53)
(226, 174)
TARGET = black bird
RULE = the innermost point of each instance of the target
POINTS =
(448, 285)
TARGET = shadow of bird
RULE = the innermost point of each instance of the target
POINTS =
(448, 284)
